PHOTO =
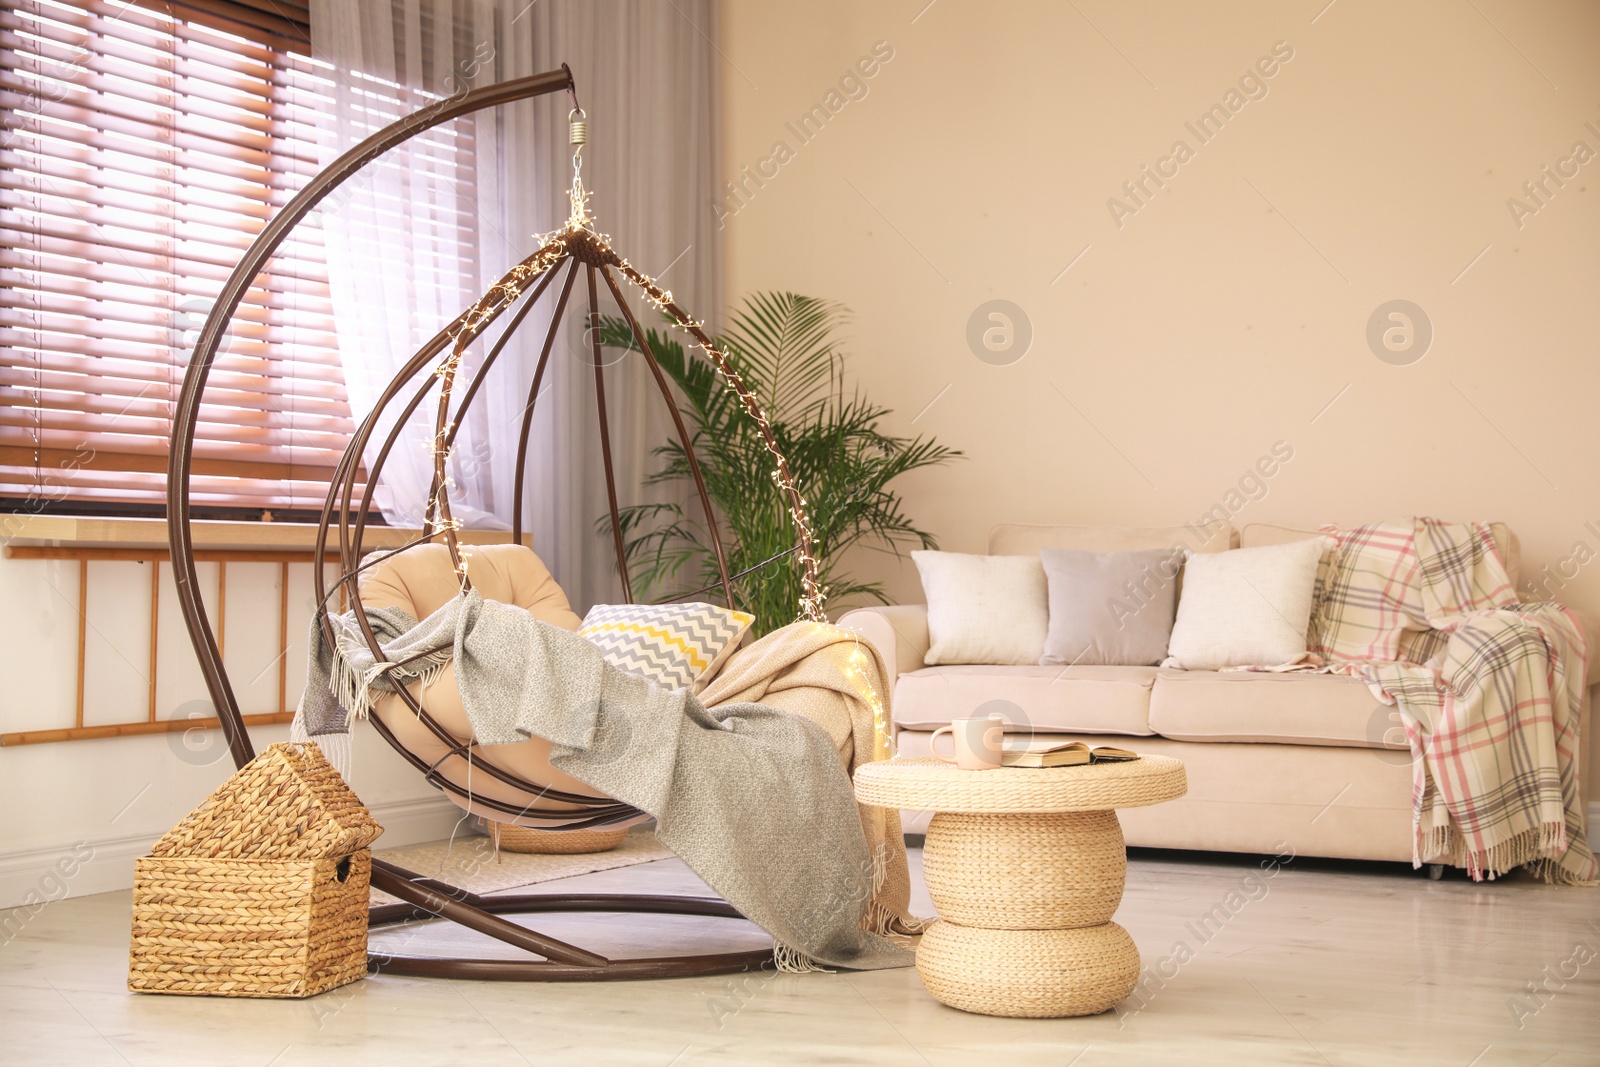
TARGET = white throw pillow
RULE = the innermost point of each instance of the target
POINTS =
(984, 609)
(1244, 608)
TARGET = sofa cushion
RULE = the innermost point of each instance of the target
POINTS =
(984, 609)
(1110, 608)
(1081, 699)
(1294, 709)
(1245, 607)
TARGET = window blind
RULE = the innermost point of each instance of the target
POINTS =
(144, 147)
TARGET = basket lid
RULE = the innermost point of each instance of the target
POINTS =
(287, 803)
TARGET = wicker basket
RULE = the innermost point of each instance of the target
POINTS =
(1037, 974)
(248, 928)
(262, 890)
(1026, 872)
(558, 842)
(287, 803)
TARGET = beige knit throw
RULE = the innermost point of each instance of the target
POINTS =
(830, 676)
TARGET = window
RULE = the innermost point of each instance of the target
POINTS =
(144, 146)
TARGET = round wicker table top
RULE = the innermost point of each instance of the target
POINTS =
(933, 785)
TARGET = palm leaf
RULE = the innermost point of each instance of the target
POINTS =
(784, 347)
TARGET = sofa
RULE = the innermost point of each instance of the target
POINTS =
(1309, 763)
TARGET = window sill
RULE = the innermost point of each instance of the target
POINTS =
(56, 530)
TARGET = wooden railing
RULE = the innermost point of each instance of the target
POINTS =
(152, 723)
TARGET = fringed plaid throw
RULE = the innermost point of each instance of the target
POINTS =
(1490, 692)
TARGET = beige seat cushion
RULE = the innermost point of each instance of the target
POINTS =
(1079, 699)
(421, 580)
(1293, 709)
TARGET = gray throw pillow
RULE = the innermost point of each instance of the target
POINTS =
(1110, 608)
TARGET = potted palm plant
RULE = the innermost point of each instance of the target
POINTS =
(786, 348)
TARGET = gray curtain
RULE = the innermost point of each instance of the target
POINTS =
(428, 227)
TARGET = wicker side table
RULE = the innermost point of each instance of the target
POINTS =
(1026, 868)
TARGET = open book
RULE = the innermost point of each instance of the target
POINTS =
(1060, 754)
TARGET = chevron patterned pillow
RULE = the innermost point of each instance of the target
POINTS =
(673, 645)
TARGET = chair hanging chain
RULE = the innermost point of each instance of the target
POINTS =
(578, 136)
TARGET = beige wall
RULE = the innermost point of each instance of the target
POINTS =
(1229, 312)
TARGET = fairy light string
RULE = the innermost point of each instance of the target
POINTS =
(468, 326)
(812, 593)
(855, 669)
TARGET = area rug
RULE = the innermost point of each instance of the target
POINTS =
(471, 863)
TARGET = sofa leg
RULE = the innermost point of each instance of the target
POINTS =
(1435, 872)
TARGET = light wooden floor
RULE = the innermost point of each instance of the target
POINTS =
(1321, 964)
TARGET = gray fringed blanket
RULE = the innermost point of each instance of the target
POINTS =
(750, 797)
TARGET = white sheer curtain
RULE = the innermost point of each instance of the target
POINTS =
(430, 225)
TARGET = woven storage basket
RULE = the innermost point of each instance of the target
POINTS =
(248, 928)
(262, 890)
(562, 842)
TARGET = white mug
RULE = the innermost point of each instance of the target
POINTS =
(976, 744)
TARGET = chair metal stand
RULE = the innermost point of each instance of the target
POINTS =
(423, 898)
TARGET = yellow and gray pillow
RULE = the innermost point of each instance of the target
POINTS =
(673, 645)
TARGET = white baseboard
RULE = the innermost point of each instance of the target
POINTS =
(418, 819)
(69, 869)
(102, 865)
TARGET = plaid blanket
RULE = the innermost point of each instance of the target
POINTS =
(1490, 691)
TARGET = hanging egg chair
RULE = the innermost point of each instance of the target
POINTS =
(507, 784)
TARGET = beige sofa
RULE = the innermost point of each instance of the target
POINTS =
(1308, 762)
